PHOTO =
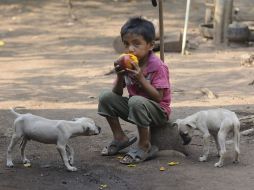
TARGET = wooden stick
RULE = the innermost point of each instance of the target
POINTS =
(185, 26)
(247, 132)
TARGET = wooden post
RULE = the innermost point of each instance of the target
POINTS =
(227, 19)
(218, 22)
(209, 12)
(222, 18)
(161, 30)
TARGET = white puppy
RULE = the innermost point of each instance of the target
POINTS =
(215, 122)
(32, 127)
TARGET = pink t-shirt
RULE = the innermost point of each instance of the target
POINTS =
(157, 73)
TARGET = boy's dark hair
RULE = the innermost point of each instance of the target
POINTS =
(139, 26)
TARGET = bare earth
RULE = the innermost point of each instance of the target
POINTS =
(55, 67)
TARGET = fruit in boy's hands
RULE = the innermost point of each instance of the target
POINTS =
(126, 59)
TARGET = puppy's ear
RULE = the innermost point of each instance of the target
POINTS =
(191, 125)
(176, 123)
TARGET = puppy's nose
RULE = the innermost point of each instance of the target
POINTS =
(186, 138)
(99, 128)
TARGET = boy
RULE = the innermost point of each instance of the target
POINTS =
(149, 98)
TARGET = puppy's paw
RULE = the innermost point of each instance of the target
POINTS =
(10, 164)
(72, 169)
(203, 158)
(218, 164)
(26, 161)
(71, 161)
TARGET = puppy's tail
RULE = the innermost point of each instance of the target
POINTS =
(14, 112)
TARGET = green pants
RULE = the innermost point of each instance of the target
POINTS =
(136, 109)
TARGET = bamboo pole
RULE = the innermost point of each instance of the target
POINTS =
(185, 26)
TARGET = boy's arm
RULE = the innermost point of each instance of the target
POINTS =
(119, 82)
(118, 85)
(155, 94)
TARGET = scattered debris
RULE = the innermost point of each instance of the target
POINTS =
(247, 60)
(251, 83)
(248, 132)
(208, 93)
(247, 125)
(247, 118)
(162, 168)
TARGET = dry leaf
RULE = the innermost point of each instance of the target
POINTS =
(2, 43)
(103, 186)
(131, 165)
(173, 163)
(27, 165)
(119, 157)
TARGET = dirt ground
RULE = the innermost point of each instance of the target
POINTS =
(55, 67)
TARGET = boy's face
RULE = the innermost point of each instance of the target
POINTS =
(136, 45)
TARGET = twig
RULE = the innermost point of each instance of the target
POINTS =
(248, 132)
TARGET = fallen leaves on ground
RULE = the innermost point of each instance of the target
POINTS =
(173, 163)
(27, 165)
(2, 43)
(131, 165)
(103, 186)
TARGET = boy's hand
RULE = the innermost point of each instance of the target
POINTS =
(136, 72)
(118, 68)
(124, 62)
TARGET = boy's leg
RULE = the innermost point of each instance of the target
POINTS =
(144, 112)
(116, 129)
(113, 106)
(144, 138)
